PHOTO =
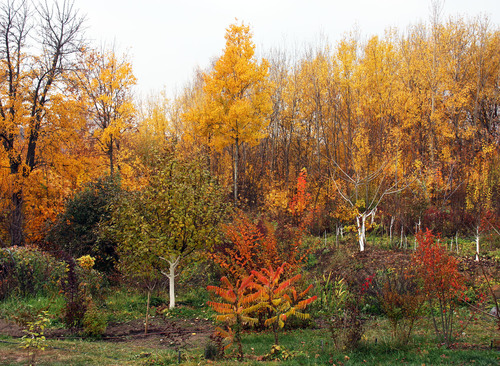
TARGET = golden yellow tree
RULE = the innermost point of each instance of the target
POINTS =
(237, 97)
(107, 82)
(368, 162)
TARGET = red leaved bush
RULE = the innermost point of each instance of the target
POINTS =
(249, 247)
(442, 282)
(437, 267)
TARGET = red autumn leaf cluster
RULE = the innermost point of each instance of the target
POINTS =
(437, 268)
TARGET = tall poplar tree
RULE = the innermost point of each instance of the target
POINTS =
(237, 97)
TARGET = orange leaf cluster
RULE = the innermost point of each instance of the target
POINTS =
(252, 246)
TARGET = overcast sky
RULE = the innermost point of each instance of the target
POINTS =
(167, 40)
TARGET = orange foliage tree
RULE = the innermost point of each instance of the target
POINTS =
(279, 297)
(237, 98)
(250, 247)
(30, 90)
(106, 81)
(262, 290)
(236, 310)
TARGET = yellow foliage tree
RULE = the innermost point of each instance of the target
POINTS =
(107, 82)
(237, 97)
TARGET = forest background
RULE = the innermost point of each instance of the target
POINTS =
(398, 132)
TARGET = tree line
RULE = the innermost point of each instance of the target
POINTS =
(400, 130)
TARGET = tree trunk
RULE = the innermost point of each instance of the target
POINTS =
(110, 153)
(336, 235)
(173, 263)
(390, 230)
(235, 169)
(237, 337)
(17, 218)
(361, 224)
(147, 313)
(477, 243)
(275, 331)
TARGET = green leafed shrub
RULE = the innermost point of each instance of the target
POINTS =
(77, 229)
(94, 322)
(27, 271)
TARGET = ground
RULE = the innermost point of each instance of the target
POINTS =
(167, 334)
(162, 333)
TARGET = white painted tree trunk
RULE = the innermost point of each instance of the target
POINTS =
(401, 240)
(337, 236)
(361, 224)
(173, 262)
(390, 230)
(477, 243)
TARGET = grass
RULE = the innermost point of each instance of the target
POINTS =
(307, 347)
(78, 353)
(12, 307)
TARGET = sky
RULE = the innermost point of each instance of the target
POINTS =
(166, 40)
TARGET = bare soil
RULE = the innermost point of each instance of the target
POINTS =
(164, 333)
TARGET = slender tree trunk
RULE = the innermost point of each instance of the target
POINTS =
(336, 235)
(275, 330)
(173, 263)
(237, 337)
(110, 154)
(390, 230)
(477, 243)
(401, 239)
(235, 169)
(147, 313)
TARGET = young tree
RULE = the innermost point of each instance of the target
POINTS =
(483, 180)
(280, 297)
(175, 214)
(368, 166)
(237, 97)
(29, 81)
(237, 306)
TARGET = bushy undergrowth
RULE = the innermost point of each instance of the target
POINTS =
(26, 271)
(371, 304)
